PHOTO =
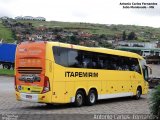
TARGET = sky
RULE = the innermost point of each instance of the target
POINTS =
(89, 11)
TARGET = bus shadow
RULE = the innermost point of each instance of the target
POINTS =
(50, 107)
(70, 105)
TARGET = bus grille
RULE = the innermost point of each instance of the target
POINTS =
(30, 70)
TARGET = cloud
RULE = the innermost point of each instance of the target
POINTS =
(5, 12)
(93, 11)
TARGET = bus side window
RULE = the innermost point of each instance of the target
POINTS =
(84, 59)
(135, 65)
(56, 54)
(87, 62)
(100, 64)
(73, 58)
(64, 57)
(61, 56)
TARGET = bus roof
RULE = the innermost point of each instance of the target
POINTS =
(98, 49)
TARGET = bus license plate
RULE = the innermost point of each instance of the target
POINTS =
(29, 96)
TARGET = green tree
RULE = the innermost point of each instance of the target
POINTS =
(103, 36)
(155, 102)
(73, 40)
(124, 35)
(58, 37)
(132, 36)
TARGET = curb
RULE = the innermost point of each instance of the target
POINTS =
(6, 75)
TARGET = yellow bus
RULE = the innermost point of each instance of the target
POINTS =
(54, 72)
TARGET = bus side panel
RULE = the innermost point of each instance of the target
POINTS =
(70, 90)
(115, 83)
(97, 84)
(58, 89)
(58, 92)
(74, 83)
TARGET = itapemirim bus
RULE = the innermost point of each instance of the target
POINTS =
(54, 72)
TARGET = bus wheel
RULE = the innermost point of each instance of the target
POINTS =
(79, 99)
(92, 97)
(138, 93)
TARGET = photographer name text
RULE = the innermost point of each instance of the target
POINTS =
(137, 5)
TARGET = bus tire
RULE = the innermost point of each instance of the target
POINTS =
(79, 98)
(92, 97)
(138, 93)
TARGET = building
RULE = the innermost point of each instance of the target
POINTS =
(5, 18)
(30, 18)
(138, 44)
(19, 18)
(40, 18)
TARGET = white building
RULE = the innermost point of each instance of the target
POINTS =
(138, 44)
(28, 18)
(19, 18)
(4, 18)
(40, 18)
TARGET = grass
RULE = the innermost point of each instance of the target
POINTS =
(5, 33)
(6, 72)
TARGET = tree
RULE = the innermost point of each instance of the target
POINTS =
(58, 37)
(132, 36)
(124, 35)
(74, 40)
(155, 102)
(103, 36)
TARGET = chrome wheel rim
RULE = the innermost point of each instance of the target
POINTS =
(92, 98)
(79, 99)
(138, 94)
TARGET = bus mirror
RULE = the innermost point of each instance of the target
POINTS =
(150, 71)
(149, 68)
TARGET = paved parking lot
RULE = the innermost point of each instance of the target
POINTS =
(9, 105)
(155, 70)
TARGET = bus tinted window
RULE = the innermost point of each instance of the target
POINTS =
(73, 58)
(84, 59)
(61, 56)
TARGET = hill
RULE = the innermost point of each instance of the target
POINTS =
(6, 33)
(143, 33)
(98, 31)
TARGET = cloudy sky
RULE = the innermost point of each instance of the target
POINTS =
(91, 11)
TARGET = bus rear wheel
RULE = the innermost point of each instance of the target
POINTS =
(92, 97)
(79, 98)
